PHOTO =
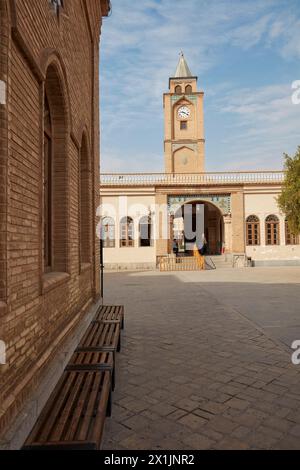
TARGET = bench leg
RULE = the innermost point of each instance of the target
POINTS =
(113, 379)
(119, 344)
(109, 405)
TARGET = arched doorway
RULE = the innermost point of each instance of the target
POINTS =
(195, 221)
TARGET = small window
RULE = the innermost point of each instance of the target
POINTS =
(127, 232)
(253, 230)
(272, 230)
(188, 90)
(290, 238)
(145, 232)
(108, 233)
(183, 125)
(178, 90)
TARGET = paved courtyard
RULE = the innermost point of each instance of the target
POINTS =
(206, 360)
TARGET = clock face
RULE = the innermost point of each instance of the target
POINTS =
(184, 112)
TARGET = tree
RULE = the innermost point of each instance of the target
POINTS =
(289, 200)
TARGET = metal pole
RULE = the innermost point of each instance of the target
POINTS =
(101, 265)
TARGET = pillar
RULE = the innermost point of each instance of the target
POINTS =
(238, 222)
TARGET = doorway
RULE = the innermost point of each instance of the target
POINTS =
(195, 221)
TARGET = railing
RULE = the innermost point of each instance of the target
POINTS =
(186, 179)
(209, 262)
(173, 263)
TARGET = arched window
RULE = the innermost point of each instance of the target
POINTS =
(127, 232)
(145, 229)
(48, 146)
(253, 230)
(85, 205)
(108, 233)
(178, 90)
(188, 90)
(290, 238)
(272, 230)
(55, 182)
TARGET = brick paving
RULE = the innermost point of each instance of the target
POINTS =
(195, 373)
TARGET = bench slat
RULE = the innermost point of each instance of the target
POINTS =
(70, 432)
(62, 417)
(103, 409)
(63, 387)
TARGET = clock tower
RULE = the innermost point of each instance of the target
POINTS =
(184, 123)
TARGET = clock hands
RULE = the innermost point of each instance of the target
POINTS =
(184, 112)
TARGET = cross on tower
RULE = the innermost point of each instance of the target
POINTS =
(57, 5)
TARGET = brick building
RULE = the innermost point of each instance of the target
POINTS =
(49, 173)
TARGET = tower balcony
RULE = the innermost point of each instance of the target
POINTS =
(185, 179)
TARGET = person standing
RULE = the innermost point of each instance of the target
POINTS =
(199, 257)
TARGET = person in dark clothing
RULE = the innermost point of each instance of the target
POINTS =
(175, 247)
(204, 249)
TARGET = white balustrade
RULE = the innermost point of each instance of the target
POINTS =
(169, 179)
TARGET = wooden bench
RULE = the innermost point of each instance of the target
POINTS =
(73, 418)
(101, 337)
(86, 360)
(111, 313)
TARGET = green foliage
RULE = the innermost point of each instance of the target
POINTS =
(289, 200)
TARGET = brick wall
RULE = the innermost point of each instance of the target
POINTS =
(37, 308)
(4, 41)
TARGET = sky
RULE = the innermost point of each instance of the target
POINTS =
(246, 54)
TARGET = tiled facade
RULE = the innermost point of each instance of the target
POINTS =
(47, 48)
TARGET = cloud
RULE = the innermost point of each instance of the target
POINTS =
(251, 34)
(267, 124)
(116, 163)
(140, 46)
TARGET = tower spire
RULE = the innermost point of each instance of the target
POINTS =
(182, 70)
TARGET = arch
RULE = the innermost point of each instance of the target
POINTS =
(178, 90)
(252, 230)
(198, 224)
(188, 90)
(83, 131)
(50, 57)
(184, 160)
(272, 218)
(108, 232)
(182, 101)
(201, 201)
(177, 130)
(126, 232)
(272, 228)
(85, 203)
(145, 232)
(55, 194)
